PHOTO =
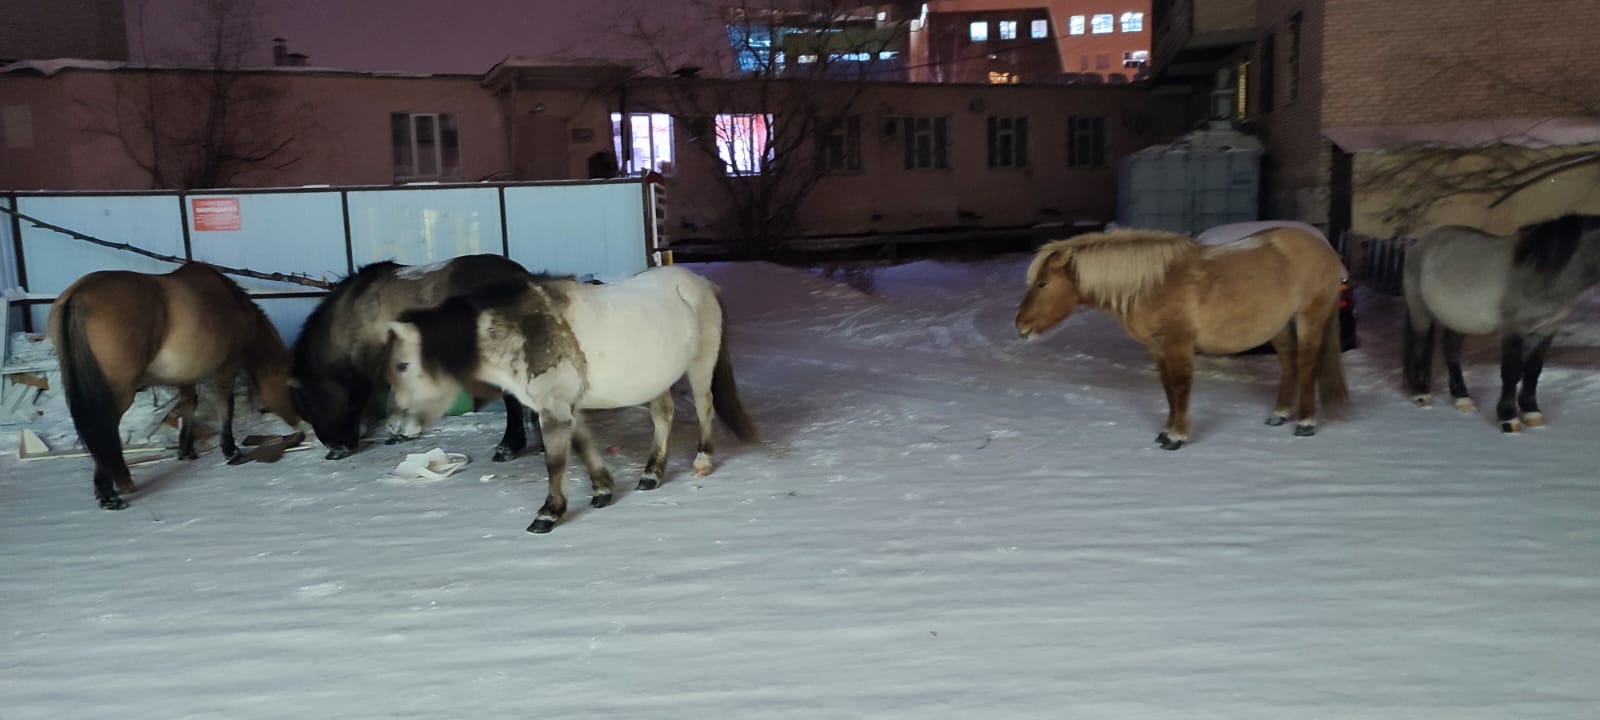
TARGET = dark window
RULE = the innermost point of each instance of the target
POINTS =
(1086, 141)
(426, 145)
(1102, 61)
(1008, 142)
(1269, 53)
(926, 143)
(839, 144)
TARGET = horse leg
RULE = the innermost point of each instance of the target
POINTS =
(1527, 397)
(1309, 349)
(188, 398)
(225, 386)
(1284, 345)
(516, 436)
(1511, 357)
(1450, 345)
(655, 469)
(556, 426)
(599, 474)
(700, 388)
(1175, 364)
(1418, 355)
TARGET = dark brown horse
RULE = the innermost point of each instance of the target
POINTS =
(115, 331)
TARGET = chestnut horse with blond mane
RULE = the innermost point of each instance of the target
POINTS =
(1179, 297)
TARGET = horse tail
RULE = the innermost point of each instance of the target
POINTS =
(725, 394)
(90, 399)
(1332, 392)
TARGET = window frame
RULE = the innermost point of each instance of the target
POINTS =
(1004, 25)
(978, 31)
(444, 149)
(630, 166)
(1086, 142)
(1078, 25)
(1039, 29)
(838, 145)
(727, 128)
(937, 134)
(1109, 21)
(1133, 19)
(1008, 141)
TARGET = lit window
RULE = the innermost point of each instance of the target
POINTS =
(979, 31)
(1132, 22)
(1075, 25)
(742, 143)
(1135, 58)
(1039, 29)
(1008, 29)
(805, 59)
(997, 77)
(888, 54)
(649, 142)
(1103, 24)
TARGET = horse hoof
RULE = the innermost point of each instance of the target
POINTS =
(541, 526)
(188, 455)
(338, 453)
(113, 503)
(1421, 401)
(1465, 405)
(600, 500)
(238, 458)
(504, 454)
(649, 483)
(1533, 419)
(1305, 430)
(397, 439)
(1275, 419)
(1511, 427)
(1171, 444)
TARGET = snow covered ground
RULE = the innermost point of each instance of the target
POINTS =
(944, 521)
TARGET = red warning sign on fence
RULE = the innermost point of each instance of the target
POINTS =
(215, 213)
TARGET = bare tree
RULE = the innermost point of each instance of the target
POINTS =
(206, 121)
(780, 109)
(1418, 177)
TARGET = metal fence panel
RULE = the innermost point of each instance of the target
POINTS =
(273, 232)
(578, 229)
(418, 226)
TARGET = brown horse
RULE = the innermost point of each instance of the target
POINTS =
(115, 331)
(1178, 297)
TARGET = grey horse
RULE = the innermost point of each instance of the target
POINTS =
(1462, 281)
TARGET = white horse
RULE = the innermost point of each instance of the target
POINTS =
(562, 347)
(1464, 281)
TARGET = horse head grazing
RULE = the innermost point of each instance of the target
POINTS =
(1110, 269)
(1052, 292)
(430, 353)
(327, 384)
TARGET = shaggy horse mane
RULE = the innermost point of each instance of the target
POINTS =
(1118, 267)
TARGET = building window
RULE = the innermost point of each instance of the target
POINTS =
(1293, 61)
(1269, 59)
(1039, 29)
(1135, 58)
(1102, 61)
(742, 143)
(1075, 25)
(1008, 29)
(1008, 142)
(979, 31)
(1133, 22)
(839, 144)
(926, 140)
(997, 77)
(425, 145)
(1103, 24)
(648, 142)
(1086, 142)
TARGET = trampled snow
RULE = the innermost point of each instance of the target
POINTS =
(943, 521)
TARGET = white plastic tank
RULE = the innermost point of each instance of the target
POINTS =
(1207, 178)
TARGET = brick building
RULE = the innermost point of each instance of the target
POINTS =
(1031, 41)
(1344, 93)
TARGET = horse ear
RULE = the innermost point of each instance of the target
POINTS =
(405, 331)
